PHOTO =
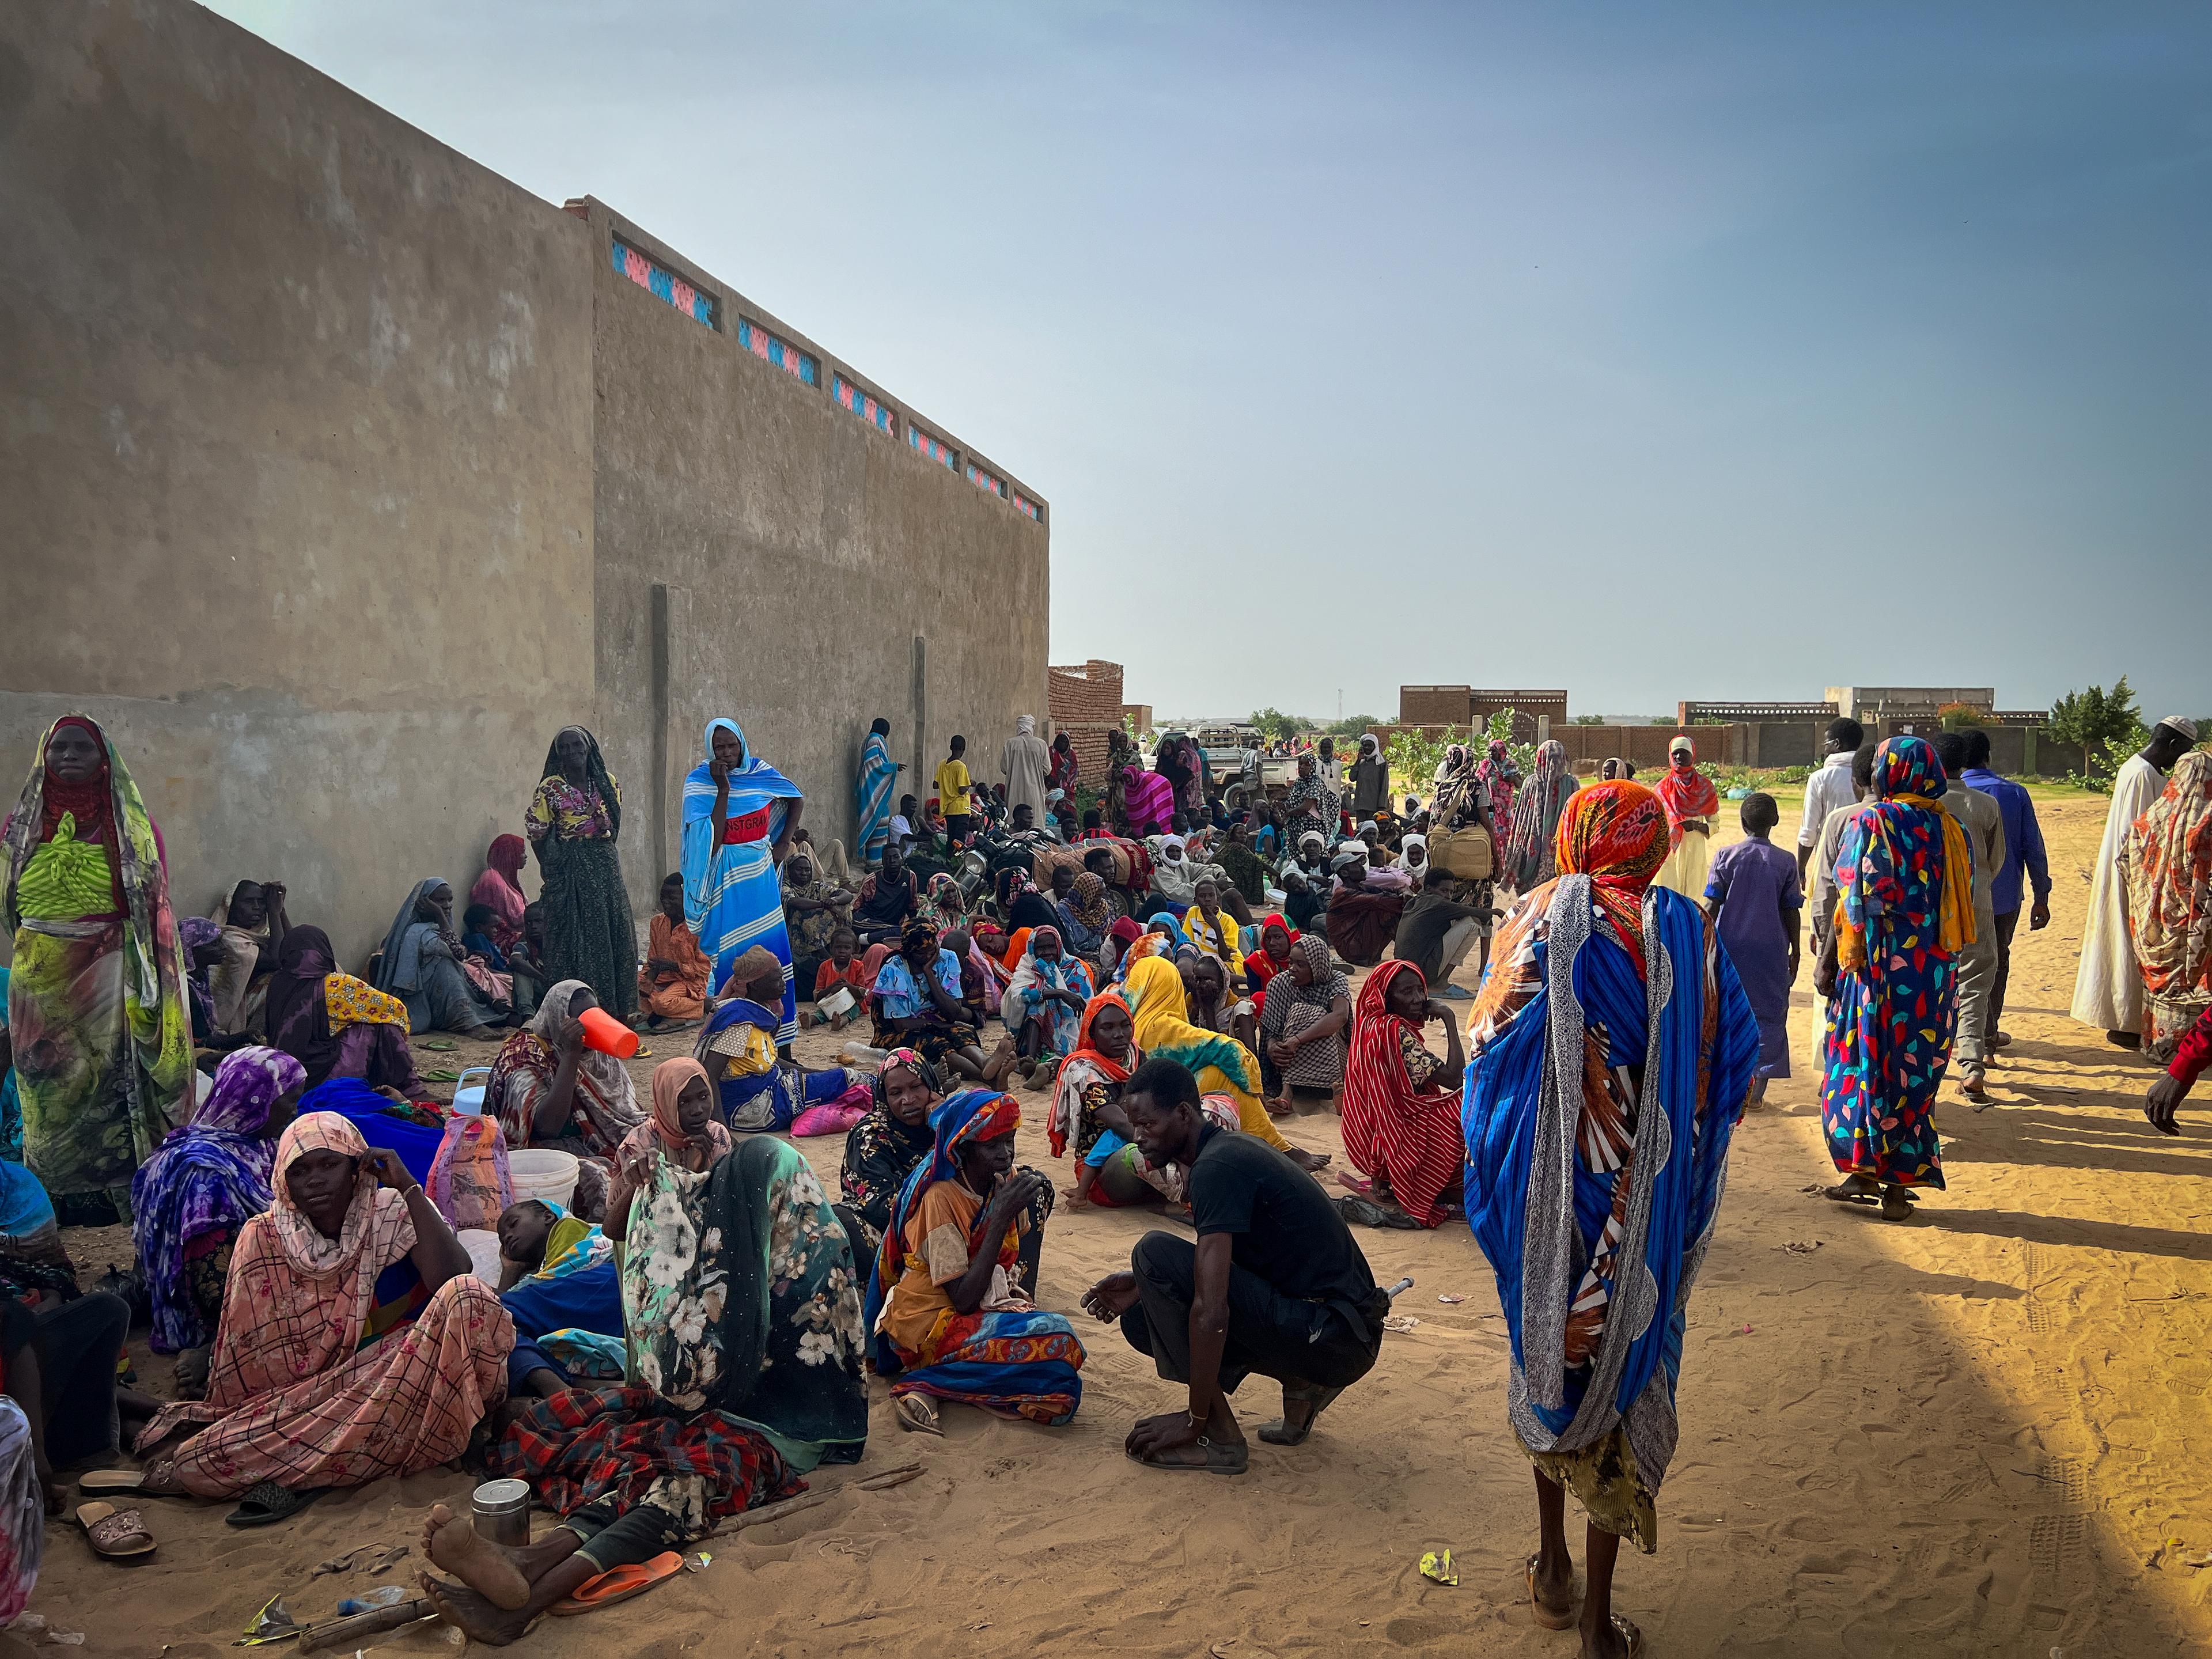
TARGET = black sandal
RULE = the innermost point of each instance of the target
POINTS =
(1365, 1212)
(1219, 1460)
(269, 1503)
(1280, 1433)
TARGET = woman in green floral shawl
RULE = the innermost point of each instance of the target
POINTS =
(739, 1296)
(96, 1002)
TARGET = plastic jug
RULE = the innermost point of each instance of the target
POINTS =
(469, 1092)
(604, 1032)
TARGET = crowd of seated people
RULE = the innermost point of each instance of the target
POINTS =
(326, 1325)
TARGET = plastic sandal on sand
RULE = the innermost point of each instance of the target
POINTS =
(1549, 1618)
(269, 1503)
(114, 1532)
(1219, 1460)
(619, 1584)
(916, 1414)
(104, 1482)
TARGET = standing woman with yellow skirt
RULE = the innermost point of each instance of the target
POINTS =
(103, 1039)
(1691, 803)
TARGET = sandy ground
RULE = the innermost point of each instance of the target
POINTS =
(1959, 1436)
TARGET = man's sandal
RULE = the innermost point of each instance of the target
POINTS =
(1280, 1433)
(1219, 1459)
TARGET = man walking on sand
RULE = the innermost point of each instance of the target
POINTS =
(1983, 822)
(1828, 788)
(1275, 1285)
(2108, 991)
(2023, 840)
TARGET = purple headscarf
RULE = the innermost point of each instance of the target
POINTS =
(203, 1181)
(197, 932)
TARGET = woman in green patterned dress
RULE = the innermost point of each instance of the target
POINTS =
(103, 1040)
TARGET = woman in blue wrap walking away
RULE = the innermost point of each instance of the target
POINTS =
(872, 792)
(1613, 1051)
(739, 813)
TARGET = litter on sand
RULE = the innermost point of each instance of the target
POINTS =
(271, 1623)
(367, 1558)
(1451, 1301)
(1400, 1322)
(1801, 1246)
(1437, 1565)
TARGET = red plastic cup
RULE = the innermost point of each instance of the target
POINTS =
(604, 1032)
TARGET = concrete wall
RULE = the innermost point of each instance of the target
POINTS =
(295, 418)
(801, 551)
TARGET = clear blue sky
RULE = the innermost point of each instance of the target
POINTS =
(1656, 352)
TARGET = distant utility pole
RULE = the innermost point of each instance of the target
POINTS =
(1340, 702)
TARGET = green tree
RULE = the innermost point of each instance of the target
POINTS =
(2107, 726)
(1354, 725)
(1588, 720)
(1275, 725)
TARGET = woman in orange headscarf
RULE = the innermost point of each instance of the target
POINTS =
(1613, 1053)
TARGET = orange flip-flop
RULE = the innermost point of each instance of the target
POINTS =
(619, 1584)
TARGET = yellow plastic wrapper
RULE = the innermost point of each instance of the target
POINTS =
(1436, 1565)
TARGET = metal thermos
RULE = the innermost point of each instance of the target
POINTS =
(502, 1511)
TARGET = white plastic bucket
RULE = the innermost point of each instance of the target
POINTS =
(542, 1172)
(468, 1097)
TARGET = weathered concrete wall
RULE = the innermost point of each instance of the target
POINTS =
(295, 416)
(801, 552)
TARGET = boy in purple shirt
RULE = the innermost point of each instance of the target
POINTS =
(1751, 893)
(2023, 850)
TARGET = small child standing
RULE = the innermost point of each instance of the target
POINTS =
(1751, 893)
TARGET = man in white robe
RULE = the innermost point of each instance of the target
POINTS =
(2108, 990)
(1024, 763)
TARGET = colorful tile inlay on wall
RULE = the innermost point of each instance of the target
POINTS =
(1025, 504)
(983, 480)
(788, 358)
(654, 279)
(851, 396)
(929, 446)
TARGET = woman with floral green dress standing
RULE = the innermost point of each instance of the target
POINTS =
(102, 1036)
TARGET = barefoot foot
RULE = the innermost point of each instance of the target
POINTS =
(489, 1569)
(471, 1614)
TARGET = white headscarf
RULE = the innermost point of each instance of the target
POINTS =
(609, 1081)
(1025, 726)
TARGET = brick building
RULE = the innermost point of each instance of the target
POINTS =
(1085, 701)
(1462, 705)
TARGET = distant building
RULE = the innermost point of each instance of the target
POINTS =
(1709, 713)
(1434, 707)
(1867, 703)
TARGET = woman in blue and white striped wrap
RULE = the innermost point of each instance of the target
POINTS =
(737, 828)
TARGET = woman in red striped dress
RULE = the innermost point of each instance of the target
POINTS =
(1402, 1116)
